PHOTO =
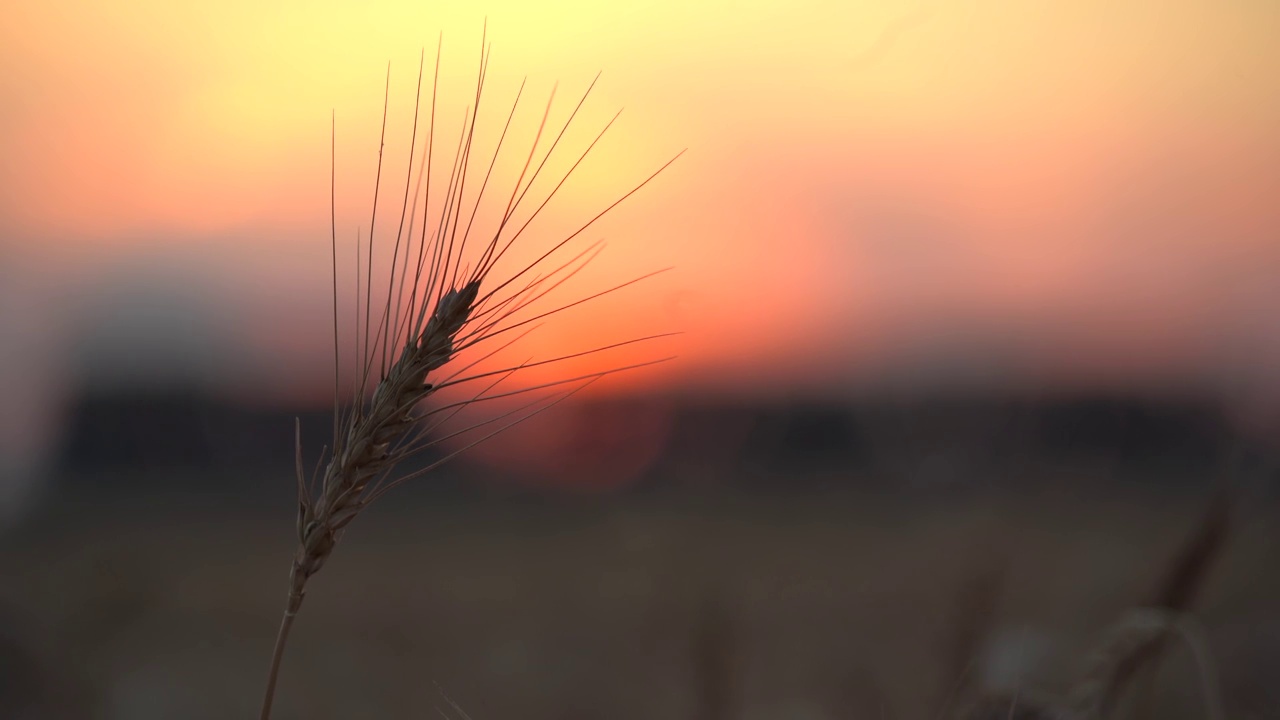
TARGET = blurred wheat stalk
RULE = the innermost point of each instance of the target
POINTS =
(1131, 646)
(443, 297)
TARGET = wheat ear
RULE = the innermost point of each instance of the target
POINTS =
(439, 303)
(1137, 640)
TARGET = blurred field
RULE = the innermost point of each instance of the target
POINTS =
(831, 606)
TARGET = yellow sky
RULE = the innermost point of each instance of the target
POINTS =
(862, 176)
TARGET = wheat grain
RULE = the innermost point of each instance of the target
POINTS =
(437, 306)
(1136, 641)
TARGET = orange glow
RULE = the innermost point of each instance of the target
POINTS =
(861, 174)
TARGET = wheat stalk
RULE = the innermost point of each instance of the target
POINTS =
(1136, 641)
(438, 305)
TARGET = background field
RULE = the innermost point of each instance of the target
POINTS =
(715, 605)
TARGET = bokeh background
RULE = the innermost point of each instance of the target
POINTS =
(962, 285)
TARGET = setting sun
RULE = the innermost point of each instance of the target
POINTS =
(1065, 194)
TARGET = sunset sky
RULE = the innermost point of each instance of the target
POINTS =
(1056, 194)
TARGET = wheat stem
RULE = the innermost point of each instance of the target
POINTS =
(282, 637)
(451, 307)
